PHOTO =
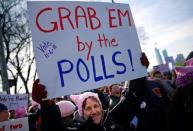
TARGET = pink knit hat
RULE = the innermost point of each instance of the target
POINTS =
(20, 112)
(35, 104)
(67, 108)
(79, 99)
(184, 75)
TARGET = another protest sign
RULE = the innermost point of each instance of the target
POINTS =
(83, 45)
(162, 68)
(20, 124)
(169, 60)
(3, 93)
(14, 101)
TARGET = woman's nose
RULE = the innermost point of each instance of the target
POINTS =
(93, 110)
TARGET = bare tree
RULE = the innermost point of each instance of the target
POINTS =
(17, 41)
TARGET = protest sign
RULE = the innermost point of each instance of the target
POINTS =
(20, 124)
(162, 68)
(83, 45)
(169, 60)
(14, 101)
(3, 93)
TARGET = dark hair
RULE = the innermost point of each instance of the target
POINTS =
(90, 97)
(111, 86)
(3, 107)
(190, 55)
(154, 72)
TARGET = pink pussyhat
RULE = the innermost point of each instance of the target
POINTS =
(35, 104)
(184, 75)
(189, 62)
(67, 108)
(79, 99)
(20, 112)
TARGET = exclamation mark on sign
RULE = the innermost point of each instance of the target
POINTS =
(130, 57)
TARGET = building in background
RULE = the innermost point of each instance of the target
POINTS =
(179, 60)
(168, 59)
(165, 53)
(158, 56)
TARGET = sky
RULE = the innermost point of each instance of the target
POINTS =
(166, 24)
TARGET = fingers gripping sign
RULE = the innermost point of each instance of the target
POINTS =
(38, 91)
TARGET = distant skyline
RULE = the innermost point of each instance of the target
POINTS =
(158, 56)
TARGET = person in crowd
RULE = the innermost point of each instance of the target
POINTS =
(89, 105)
(143, 99)
(103, 96)
(190, 55)
(67, 109)
(12, 114)
(34, 116)
(158, 77)
(115, 95)
(16, 113)
(4, 113)
(58, 99)
(34, 108)
(182, 106)
(173, 73)
(20, 112)
(153, 112)
(167, 76)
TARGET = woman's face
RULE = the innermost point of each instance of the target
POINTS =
(4, 116)
(116, 91)
(92, 109)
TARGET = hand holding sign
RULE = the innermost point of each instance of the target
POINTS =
(144, 60)
(79, 42)
(38, 92)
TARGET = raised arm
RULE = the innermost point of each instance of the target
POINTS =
(50, 114)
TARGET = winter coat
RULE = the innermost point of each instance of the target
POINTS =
(154, 117)
(152, 109)
(113, 101)
(181, 115)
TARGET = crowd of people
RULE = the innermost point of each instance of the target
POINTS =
(158, 102)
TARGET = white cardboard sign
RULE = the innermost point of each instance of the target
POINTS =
(20, 124)
(83, 45)
(14, 101)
